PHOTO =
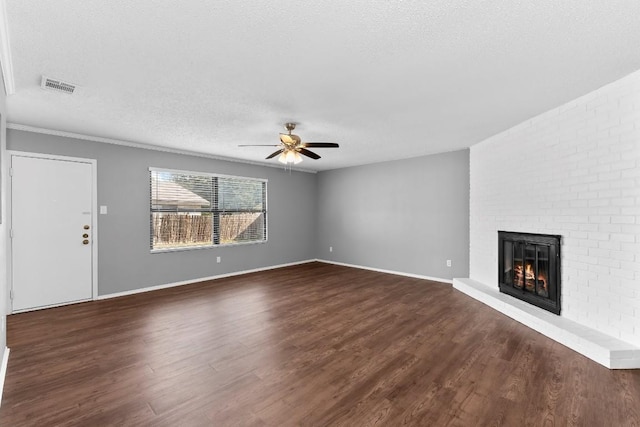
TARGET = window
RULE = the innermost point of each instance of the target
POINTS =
(195, 209)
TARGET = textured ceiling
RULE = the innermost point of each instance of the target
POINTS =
(385, 79)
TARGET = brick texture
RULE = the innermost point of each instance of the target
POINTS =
(573, 171)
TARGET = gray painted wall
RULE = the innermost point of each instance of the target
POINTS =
(124, 260)
(407, 216)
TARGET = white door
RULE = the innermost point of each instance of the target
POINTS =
(51, 225)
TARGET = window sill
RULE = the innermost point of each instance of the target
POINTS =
(192, 248)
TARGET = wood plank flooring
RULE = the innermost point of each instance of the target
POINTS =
(309, 345)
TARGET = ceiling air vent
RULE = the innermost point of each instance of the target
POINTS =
(57, 85)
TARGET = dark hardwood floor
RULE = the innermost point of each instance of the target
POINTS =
(315, 345)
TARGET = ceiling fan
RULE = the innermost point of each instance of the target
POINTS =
(291, 146)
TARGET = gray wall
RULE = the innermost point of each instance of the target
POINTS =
(124, 260)
(407, 216)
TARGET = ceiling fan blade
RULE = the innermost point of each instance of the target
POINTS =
(308, 153)
(272, 155)
(259, 145)
(321, 144)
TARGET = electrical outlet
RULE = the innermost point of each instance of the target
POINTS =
(218, 260)
(448, 263)
(330, 248)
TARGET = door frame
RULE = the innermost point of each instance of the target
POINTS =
(94, 222)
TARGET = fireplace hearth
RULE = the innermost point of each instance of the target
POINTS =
(529, 268)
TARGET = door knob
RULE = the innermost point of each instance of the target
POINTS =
(86, 227)
(85, 242)
(85, 235)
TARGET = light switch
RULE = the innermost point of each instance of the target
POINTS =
(103, 210)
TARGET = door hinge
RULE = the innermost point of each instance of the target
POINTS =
(11, 294)
(10, 171)
(11, 233)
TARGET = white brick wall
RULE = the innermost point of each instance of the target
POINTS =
(573, 171)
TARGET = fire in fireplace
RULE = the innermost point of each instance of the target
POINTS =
(529, 268)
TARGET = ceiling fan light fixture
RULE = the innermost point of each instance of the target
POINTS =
(290, 156)
(293, 157)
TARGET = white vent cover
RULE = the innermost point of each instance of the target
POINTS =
(57, 85)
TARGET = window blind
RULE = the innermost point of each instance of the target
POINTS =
(192, 209)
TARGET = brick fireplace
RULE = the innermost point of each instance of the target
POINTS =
(578, 176)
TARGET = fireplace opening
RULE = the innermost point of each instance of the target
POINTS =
(529, 268)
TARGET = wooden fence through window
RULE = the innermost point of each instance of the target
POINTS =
(170, 230)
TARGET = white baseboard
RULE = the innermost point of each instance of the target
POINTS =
(597, 346)
(201, 279)
(255, 270)
(3, 371)
(44, 307)
(380, 270)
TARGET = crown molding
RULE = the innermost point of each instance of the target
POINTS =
(5, 51)
(27, 128)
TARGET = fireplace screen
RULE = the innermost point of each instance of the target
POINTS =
(529, 268)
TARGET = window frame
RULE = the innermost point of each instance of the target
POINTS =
(215, 213)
